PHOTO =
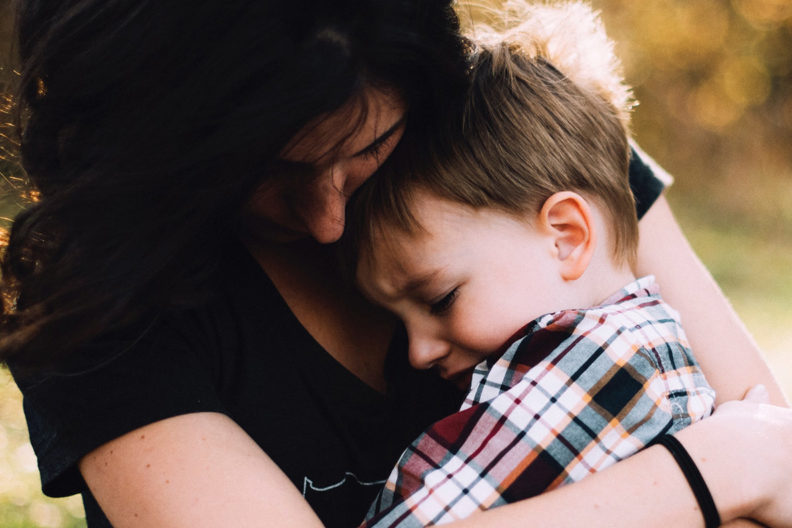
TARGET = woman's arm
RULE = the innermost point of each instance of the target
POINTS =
(729, 356)
(649, 490)
(203, 470)
(452, 467)
(193, 470)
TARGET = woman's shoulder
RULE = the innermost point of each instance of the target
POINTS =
(173, 362)
(648, 180)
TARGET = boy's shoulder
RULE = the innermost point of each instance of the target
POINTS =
(631, 311)
(633, 327)
(635, 317)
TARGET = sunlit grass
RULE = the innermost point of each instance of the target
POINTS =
(752, 262)
(21, 503)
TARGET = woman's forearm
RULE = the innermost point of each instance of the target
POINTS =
(646, 490)
(728, 354)
(649, 489)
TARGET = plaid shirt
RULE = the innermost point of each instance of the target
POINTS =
(578, 391)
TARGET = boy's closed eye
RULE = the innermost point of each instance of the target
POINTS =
(443, 305)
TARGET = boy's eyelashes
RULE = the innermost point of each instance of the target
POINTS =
(443, 304)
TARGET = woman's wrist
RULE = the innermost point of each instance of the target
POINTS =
(744, 453)
(694, 478)
(724, 460)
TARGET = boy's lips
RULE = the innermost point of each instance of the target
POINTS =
(460, 378)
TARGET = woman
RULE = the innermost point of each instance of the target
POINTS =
(185, 346)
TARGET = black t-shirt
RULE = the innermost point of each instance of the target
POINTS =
(248, 357)
(245, 355)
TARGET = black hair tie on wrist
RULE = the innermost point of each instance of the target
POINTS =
(693, 475)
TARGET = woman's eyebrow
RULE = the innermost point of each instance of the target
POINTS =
(382, 138)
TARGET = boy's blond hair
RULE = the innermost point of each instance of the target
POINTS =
(546, 111)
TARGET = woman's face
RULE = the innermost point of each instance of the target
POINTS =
(321, 167)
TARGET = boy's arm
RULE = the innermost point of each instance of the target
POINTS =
(727, 353)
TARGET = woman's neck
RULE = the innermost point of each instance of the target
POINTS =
(353, 331)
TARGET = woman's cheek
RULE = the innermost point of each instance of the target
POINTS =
(358, 172)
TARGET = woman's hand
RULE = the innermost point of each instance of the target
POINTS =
(744, 452)
(745, 456)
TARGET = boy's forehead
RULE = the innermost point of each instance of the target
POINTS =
(396, 264)
(386, 260)
(398, 261)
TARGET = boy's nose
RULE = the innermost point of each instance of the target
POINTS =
(425, 352)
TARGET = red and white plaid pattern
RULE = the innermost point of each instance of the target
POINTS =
(580, 390)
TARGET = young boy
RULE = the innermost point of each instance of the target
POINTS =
(506, 247)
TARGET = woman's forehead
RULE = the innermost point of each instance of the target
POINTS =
(347, 131)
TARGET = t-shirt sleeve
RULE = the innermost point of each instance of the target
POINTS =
(130, 383)
(647, 179)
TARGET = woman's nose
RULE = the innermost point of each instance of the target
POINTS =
(325, 215)
(426, 351)
(326, 223)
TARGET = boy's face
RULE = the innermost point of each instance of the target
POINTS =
(465, 285)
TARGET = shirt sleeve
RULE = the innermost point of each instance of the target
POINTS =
(647, 179)
(594, 400)
(130, 383)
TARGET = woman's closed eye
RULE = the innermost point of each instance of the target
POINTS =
(372, 151)
(444, 304)
(376, 148)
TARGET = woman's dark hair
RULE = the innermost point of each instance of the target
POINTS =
(145, 126)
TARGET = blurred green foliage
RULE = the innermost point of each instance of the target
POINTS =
(714, 83)
(713, 79)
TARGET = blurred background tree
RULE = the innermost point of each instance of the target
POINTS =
(10, 176)
(714, 83)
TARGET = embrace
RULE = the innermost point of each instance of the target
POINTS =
(337, 263)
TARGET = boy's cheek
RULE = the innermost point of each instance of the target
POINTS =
(480, 334)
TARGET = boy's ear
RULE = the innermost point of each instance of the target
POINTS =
(568, 217)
